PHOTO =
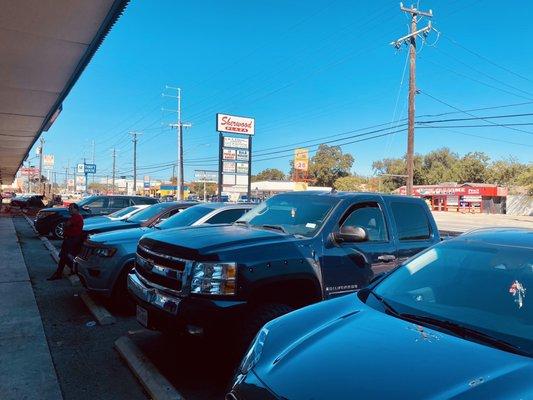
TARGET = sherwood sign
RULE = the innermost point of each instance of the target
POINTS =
(234, 124)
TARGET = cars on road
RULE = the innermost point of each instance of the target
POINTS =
(292, 250)
(147, 217)
(107, 258)
(119, 215)
(51, 220)
(456, 321)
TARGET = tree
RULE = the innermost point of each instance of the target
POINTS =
(269, 174)
(351, 183)
(438, 166)
(472, 167)
(198, 188)
(329, 164)
(505, 172)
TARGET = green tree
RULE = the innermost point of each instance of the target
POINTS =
(472, 167)
(198, 188)
(350, 183)
(525, 179)
(438, 166)
(505, 172)
(269, 174)
(329, 164)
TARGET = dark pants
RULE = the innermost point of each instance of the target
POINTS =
(69, 249)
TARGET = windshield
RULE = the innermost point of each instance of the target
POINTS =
(149, 212)
(185, 218)
(86, 200)
(295, 214)
(122, 212)
(477, 285)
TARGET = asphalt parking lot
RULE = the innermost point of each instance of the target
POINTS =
(87, 364)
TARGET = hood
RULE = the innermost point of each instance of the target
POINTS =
(120, 236)
(356, 350)
(109, 226)
(209, 241)
(60, 210)
(97, 220)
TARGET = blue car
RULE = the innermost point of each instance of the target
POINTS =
(455, 321)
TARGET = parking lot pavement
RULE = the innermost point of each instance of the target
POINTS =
(458, 222)
(197, 368)
(85, 361)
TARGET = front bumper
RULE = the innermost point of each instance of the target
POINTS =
(42, 226)
(97, 274)
(169, 312)
(248, 387)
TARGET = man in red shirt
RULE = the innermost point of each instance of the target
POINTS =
(72, 241)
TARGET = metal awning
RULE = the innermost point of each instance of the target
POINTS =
(44, 47)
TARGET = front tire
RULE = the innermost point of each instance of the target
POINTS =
(58, 230)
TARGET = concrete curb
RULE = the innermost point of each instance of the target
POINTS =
(100, 313)
(29, 220)
(157, 386)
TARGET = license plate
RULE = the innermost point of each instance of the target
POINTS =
(142, 316)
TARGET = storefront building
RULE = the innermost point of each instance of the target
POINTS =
(467, 197)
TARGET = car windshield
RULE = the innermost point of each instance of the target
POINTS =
(85, 201)
(294, 214)
(477, 285)
(185, 218)
(149, 212)
(122, 212)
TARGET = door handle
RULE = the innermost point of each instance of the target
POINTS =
(387, 257)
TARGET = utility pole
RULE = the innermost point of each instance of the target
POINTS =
(41, 188)
(134, 140)
(94, 153)
(113, 177)
(410, 40)
(179, 126)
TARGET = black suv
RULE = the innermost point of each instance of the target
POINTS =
(51, 220)
(290, 251)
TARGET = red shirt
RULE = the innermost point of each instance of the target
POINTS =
(75, 226)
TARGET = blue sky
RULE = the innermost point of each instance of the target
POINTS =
(304, 70)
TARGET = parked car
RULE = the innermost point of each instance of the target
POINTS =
(106, 258)
(453, 322)
(119, 215)
(292, 250)
(28, 201)
(147, 217)
(51, 220)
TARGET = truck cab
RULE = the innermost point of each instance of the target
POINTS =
(292, 250)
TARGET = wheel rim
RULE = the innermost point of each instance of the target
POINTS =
(59, 230)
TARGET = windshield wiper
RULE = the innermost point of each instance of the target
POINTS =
(385, 303)
(465, 332)
(246, 223)
(275, 227)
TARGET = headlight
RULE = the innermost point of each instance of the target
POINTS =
(105, 251)
(214, 278)
(44, 214)
(254, 353)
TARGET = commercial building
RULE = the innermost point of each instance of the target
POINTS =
(466, 197)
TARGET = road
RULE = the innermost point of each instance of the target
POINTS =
(458, 222)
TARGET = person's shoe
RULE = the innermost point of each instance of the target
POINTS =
(54, 277)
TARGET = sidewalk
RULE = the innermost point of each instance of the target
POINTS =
(26, 368)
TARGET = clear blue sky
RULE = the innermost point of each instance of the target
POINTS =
(304, 70)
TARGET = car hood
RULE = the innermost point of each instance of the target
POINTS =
(358, 351)
(60, 210)
(109, 226)
(210, 242)
(97, 220)
(121, 236)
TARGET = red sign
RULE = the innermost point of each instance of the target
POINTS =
(234, 124)
(457, 191)
(29, 171)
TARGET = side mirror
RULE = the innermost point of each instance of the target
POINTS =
(350, 234)
(86, 208)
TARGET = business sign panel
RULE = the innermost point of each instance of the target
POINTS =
(146, 184)
(228, 167)
(236, 143)
(242, 168)
(48, 161)
(243, 155)
(229, 154)
(80, 183)
(80, 168)
(29, 171)
(301, 159)
(235, 124)
(90, 168)
(202, 175)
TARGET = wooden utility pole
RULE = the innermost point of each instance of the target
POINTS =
(410, 40)
(114, 171)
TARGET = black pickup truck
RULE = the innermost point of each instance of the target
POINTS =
(289, 251)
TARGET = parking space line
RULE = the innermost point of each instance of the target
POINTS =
(157, 386)
(99, 312)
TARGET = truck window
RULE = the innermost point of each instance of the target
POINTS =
(411, 221)
(227, 216)
(370, 217)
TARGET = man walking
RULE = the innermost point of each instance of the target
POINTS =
(72, 240)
